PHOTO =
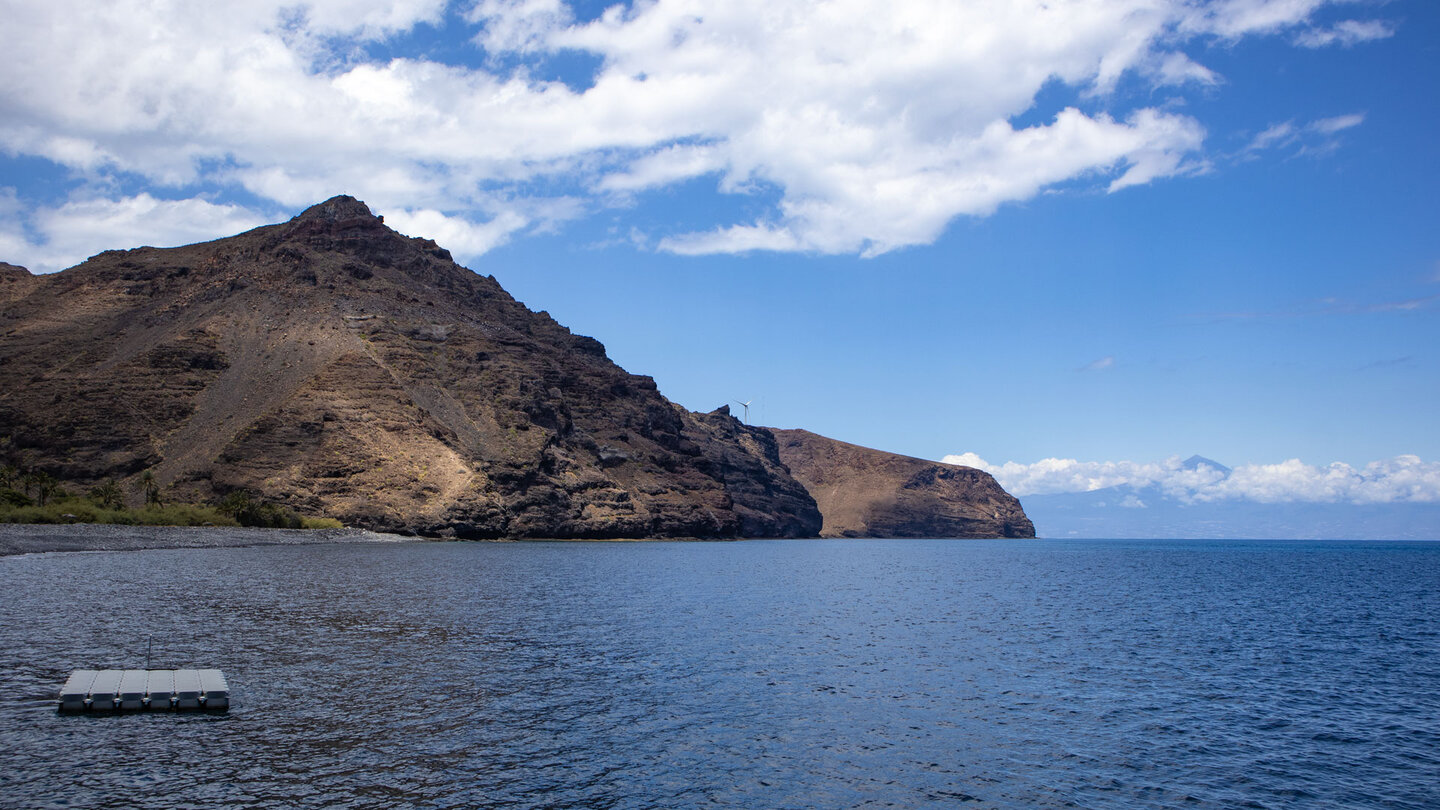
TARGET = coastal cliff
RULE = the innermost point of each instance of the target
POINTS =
(336, 367)
(870, 493)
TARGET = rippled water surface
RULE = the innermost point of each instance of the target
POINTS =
(756, 674)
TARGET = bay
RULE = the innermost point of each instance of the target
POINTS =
(838, 673)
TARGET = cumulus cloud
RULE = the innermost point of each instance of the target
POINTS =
(1403, 479)
(60, 236)
(518, 25)
(871, 123)
(455, 233)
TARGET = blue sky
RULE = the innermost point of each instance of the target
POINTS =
(1113, 231)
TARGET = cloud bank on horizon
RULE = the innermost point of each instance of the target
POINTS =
(1403, 479)
(855, 127)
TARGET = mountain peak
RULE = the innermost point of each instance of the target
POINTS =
(1195, 462)
(342, 218)
(335, 209)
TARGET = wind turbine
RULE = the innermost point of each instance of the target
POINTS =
(746, 406)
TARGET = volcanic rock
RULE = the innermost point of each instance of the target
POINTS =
(336, 367)
(13, 281)
(870, 493)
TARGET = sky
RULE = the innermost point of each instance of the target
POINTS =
(1083, 236)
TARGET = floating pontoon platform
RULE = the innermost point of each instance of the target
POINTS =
(104, 691)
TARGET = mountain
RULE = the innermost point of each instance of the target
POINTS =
(336, 367)
(1194, 463)
(870, 493)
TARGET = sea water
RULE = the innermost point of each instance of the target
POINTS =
(849, 673)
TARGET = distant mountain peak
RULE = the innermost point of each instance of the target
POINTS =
(1195, 462)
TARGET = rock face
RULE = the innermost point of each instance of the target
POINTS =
(870, 493)
(339, 368)
(13, 281)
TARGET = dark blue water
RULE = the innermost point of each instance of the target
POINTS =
(756, 674)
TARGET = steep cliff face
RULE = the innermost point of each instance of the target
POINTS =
(747, 459)
(340, 368)
(870, 493)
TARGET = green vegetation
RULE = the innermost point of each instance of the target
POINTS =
(36, 497)
(75, 509)
(241, 507)
(151, 488)
(108, 495)
(321, 523)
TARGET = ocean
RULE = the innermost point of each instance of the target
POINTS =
(756, 674)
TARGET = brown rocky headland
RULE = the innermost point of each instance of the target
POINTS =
(870, 493)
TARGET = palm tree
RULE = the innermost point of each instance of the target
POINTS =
(108, 494)
(151, 488)
(29, 480)
(9, 476)
(45, 488)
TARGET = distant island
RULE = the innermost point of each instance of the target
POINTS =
(332, 368)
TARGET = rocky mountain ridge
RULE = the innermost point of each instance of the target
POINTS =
(339, 368)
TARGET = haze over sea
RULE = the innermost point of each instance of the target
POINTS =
(839, 673)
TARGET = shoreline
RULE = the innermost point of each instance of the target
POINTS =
(45, 538)
(49, 538)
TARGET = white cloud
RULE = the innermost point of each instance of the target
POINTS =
(666, 166)
(1099, 365)
(1330, 126)
(1345, 33)
(364, 19)
(1233, 19)
(1275, 135)
(518, 25)
(735, 239)
(68, 234)
(1398, 480)
(1054, 475)
(873, 123)
(1176, 68)
(455, 233)
(1316, 137)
